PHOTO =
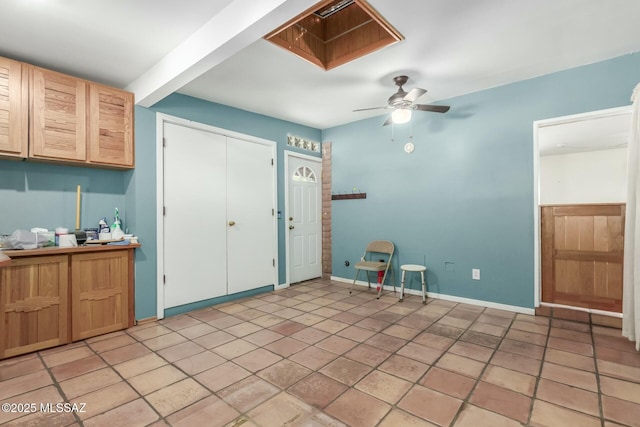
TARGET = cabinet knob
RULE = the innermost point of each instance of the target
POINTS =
(291, 227)
(232, 223)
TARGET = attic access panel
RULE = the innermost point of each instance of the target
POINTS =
(334, 32)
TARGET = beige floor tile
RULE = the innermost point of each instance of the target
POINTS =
(26, 383)
(177, 396)
(517, 362)
(19, 366)
(196, 331)
(263, 337)
(403, 332)
(77, 367)
(87, 383)
(180, 351)
(318, 390)
(330, 326)
(462, 365)
(248, 393)
(472, 416)
(111, 343)
(572, 360)
(200, 362)
(310, 335)
(139, 365)
(132, 414)
(222, 376)
(211, 411)
(383, 386)
(620, 389)
(346, 371)
(502, 401)
(617, 370)
(284, 373)
(164, 341)
(527, 337)
(622, 411)
(487, 328)
(541, 329)
(180, 322)
(545, 414)
(105, 399)
(49, 394)
(337, 345)
(285, 409)
(125, 353)
(397, 418)
(568, 397)
(286, 346)
(472, 351)
(149, 332)
(358, 409)
(566, 375)
(404, 367)
(257, 359)
(234, 348)
(214, 339)
(368, 355)
(571, 346)
(313, 357)
(430, 405)
(512, 380)
(522, 348)
(448, 382)
(67, 356)
(154, 380)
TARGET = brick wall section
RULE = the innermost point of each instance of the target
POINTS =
(326, 209)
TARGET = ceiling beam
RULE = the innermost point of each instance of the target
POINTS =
(237, 26)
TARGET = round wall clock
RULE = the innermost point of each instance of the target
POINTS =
(409, 147)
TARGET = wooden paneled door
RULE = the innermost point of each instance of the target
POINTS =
(582, 254)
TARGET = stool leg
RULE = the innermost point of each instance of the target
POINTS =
(424, 289)
(402, 286)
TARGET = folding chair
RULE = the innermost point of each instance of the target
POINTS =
(367, 263)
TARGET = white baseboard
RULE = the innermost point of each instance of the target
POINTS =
(280, 286)
(489, 304)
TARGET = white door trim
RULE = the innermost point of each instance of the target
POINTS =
(287, 155)
(538, 124)
(161, 119)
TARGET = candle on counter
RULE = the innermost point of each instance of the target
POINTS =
(78, 209)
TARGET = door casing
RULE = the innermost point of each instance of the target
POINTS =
(287, 155)
(161, 119)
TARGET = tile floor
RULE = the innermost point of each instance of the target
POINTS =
(313, 355)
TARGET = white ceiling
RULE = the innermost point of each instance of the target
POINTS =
(212, 49)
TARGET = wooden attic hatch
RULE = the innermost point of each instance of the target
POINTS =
(334, 32)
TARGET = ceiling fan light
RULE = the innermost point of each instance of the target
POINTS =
(401, 115)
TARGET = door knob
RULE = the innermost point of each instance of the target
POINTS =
(232, 223)
(291, 227)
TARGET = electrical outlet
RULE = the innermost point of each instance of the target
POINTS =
(475, 274)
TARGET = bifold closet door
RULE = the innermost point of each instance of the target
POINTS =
(250, 216)
(195, 185)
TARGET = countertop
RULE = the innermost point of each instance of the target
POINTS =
(57, 250)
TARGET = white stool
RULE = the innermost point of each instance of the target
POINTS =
(418, 269)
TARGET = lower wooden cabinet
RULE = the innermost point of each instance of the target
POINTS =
(73, 294)
(34, 304)
(99, 293)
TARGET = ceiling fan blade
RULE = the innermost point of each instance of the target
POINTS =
(414, 94)
(432, 108)
(388, 122)
(372, 108)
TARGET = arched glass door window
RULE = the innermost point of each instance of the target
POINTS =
(304, 174)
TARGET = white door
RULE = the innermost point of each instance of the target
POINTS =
(195, 247)
(250, 215)
(304, 220)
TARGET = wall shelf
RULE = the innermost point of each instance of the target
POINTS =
(348, 196)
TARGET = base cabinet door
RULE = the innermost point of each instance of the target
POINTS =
(33, 304)
(99, 293)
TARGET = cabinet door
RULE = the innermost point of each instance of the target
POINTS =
(99, 293)
(13, 109)
(33, 304)
(58, 116)
(110, 126)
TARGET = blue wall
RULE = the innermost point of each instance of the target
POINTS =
(465, 196)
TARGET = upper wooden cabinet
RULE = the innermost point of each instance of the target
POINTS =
(13, 109)
(58, 116)
(110, 126)
(55, 117)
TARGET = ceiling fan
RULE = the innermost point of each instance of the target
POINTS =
(404, 102)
